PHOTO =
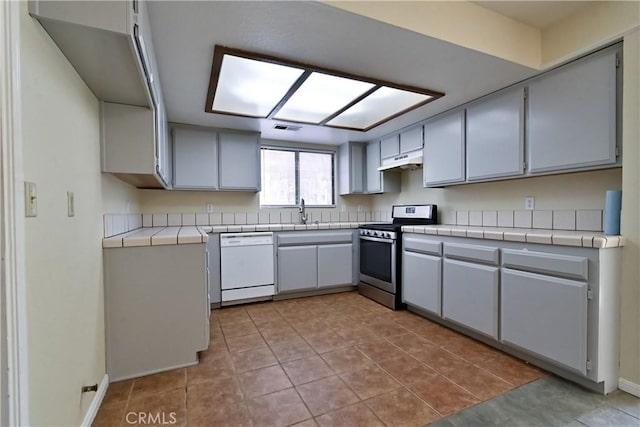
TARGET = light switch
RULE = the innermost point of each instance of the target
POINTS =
(70, 204)
(30, 199)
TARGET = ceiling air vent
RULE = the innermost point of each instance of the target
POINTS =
(288, 127)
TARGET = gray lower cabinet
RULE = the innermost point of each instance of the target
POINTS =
(156, 308)
(335, 264)
(310, 260)
(545, 315)
(422, 281)
(571, 121)
(297, 268)
(495, 136)
(215, 283)
(554, 306)
(470, 295)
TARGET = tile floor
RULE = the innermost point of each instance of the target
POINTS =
(343, 360)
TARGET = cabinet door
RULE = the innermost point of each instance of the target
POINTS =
(195, 158)
(422, 281)
(357, 168)
(572, 116)
(495, 136)
(239, 162)
(335, 264)
(390, 147)
(444, 150)
(297, 268)
(411, 139)
(470, 295)
(373, 181)
(546, 316)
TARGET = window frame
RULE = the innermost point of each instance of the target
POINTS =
(297, 152)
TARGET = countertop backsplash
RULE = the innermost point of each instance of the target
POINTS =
(578, 220)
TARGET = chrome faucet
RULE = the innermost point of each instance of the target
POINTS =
(303, 213)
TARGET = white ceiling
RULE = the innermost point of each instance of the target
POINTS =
(185, 33)
(539, 14)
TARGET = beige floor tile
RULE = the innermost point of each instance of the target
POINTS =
(238, 329)
(263, 381)
(253, 359)
(358, 415)
(156, 383)
(292, 351)
(402, 409)
(278, 409)
(306, 370)
(244, 343)
(326, 395)
(168, 407)
(369, 382)
(346, 359)
(380, 350)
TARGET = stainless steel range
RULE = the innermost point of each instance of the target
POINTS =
(381, 253)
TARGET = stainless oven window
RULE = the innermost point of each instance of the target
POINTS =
(376, 259)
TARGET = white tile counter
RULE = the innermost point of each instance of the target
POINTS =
(281, 227)
(587, 239)
(157, 236)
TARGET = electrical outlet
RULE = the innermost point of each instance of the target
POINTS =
(529, 203)
(209, 208)
(70, 204)
(30, 199)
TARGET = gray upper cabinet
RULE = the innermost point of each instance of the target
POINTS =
(495, 136)
(411, 139)
(444, 150)
(213, 159)
(572, 116)
(351, 168)
(239, 162)
(390, 147)
(195, 158)
(123, 71)
(377, 181)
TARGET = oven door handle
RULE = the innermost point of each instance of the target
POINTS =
(377, 239)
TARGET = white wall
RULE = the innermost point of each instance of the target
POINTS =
(63, 255)
(583, 190)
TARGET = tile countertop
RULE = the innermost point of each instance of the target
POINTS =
(281, 227)
(587, 239)
(156, 236)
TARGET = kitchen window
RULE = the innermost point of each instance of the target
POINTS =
(289, 175)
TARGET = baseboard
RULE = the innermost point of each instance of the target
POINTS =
(90, 416)
(629, 387)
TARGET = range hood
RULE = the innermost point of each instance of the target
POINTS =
(409, 160)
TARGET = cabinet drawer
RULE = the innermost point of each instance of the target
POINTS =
(540, 262)
(483, 254)
(307, 238)
(421, 245)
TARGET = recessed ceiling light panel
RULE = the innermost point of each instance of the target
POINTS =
(254, 85)
(383, 103)
(320, 96)
(250, 87)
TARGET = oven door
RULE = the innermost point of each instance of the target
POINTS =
(378, 263)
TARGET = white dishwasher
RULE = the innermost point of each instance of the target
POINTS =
(246, 266)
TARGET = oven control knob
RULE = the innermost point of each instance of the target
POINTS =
(375, 233)
(387, 235)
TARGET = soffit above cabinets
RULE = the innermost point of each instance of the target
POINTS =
(185, 34)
